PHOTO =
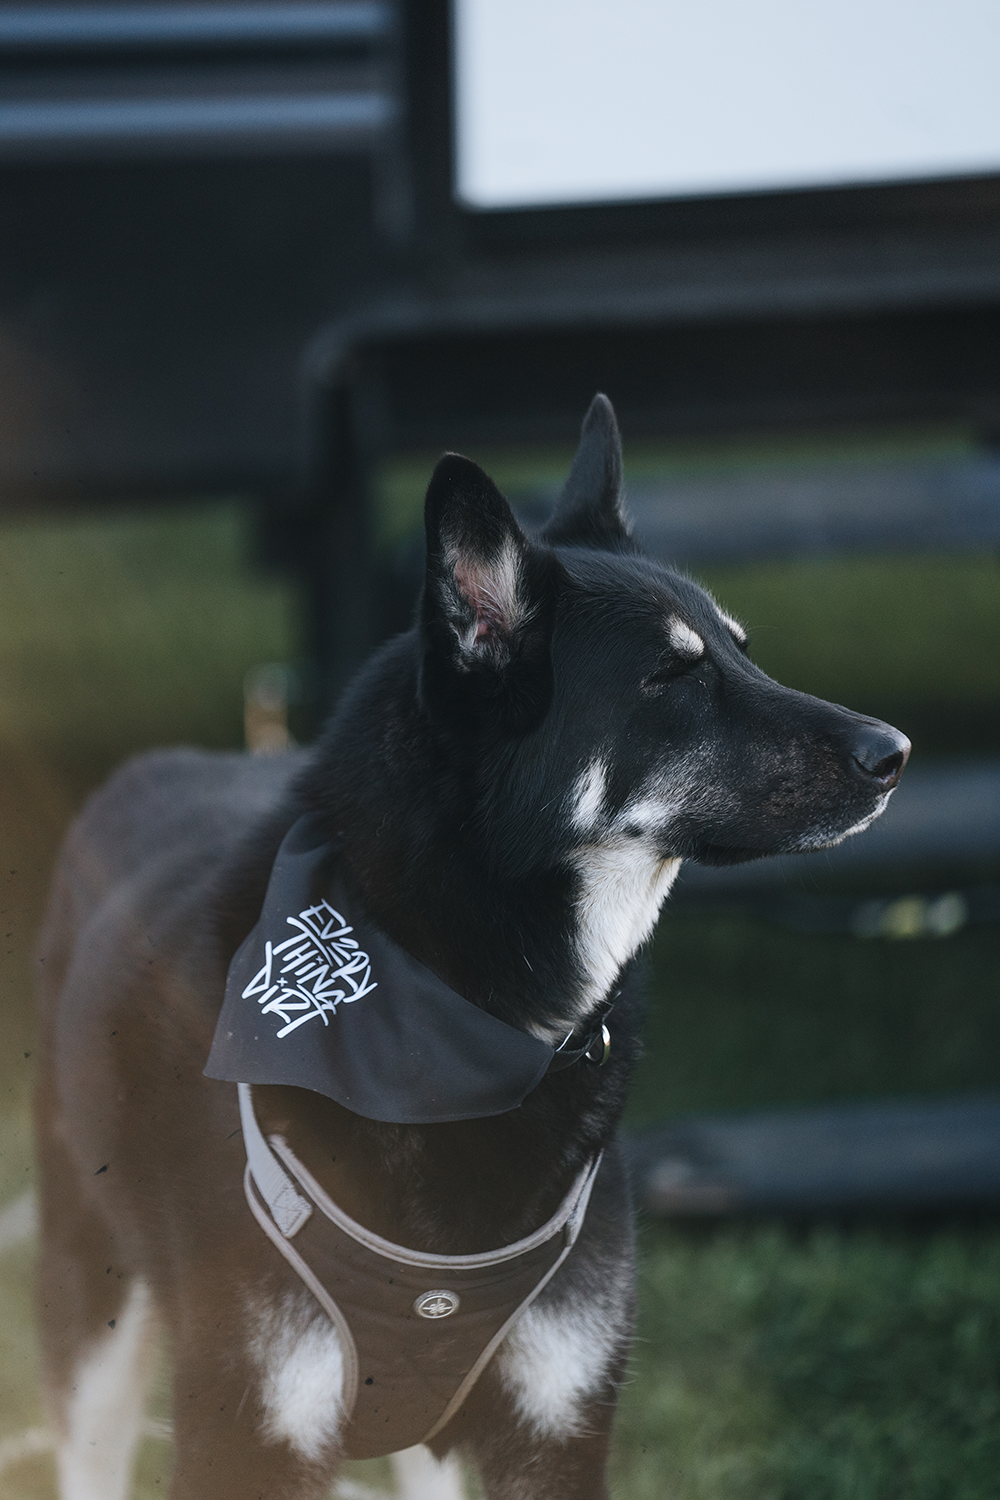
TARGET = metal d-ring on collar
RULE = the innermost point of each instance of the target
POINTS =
(594, 1047)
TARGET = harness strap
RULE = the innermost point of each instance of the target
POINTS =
(348, 1393)
(291, 1208)
(288, 1207)
(567, 1216)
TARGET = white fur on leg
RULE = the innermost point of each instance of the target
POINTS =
(555, 1358)
(301, 1363)
(102, 1417)
(419, 1476)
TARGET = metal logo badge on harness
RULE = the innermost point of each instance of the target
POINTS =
(437, 1304)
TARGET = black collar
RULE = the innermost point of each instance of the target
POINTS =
(327, 1001)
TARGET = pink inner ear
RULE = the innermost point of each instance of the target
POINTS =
(480, 588)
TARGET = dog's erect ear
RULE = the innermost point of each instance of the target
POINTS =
(489, 596)
(478, 597)
(588, 513)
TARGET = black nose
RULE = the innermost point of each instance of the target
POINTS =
(880, 753)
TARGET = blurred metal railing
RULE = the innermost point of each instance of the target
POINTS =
(85, 82)
(883, 1156)
(46, 29)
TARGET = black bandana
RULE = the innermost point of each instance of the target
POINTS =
(326, 1001)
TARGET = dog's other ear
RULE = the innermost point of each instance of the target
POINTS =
(588, 513)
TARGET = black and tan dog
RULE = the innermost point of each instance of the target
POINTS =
(502, 800)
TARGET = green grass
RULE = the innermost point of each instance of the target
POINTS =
(129, 629)
(835, 1363)
(772, 1364)
(830, 1365)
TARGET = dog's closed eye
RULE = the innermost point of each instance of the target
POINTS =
(669, 667)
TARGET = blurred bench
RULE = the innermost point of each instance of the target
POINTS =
(883, 1157)
(188, 191)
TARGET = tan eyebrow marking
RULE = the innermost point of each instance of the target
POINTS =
(685, 641)
(733, 626)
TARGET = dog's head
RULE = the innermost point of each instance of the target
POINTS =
(610, 700)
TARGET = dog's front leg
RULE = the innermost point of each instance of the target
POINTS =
(539, 1422)
(574, 1470)
(257, 1400)
(544, 1441)
(516, 1461)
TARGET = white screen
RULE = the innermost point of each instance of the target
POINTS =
(582, 101)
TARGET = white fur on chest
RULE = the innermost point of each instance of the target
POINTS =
(623, 884)
(624, 879)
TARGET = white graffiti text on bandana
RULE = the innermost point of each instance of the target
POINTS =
(318, 968)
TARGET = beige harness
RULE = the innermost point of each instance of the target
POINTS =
(416, 1330)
